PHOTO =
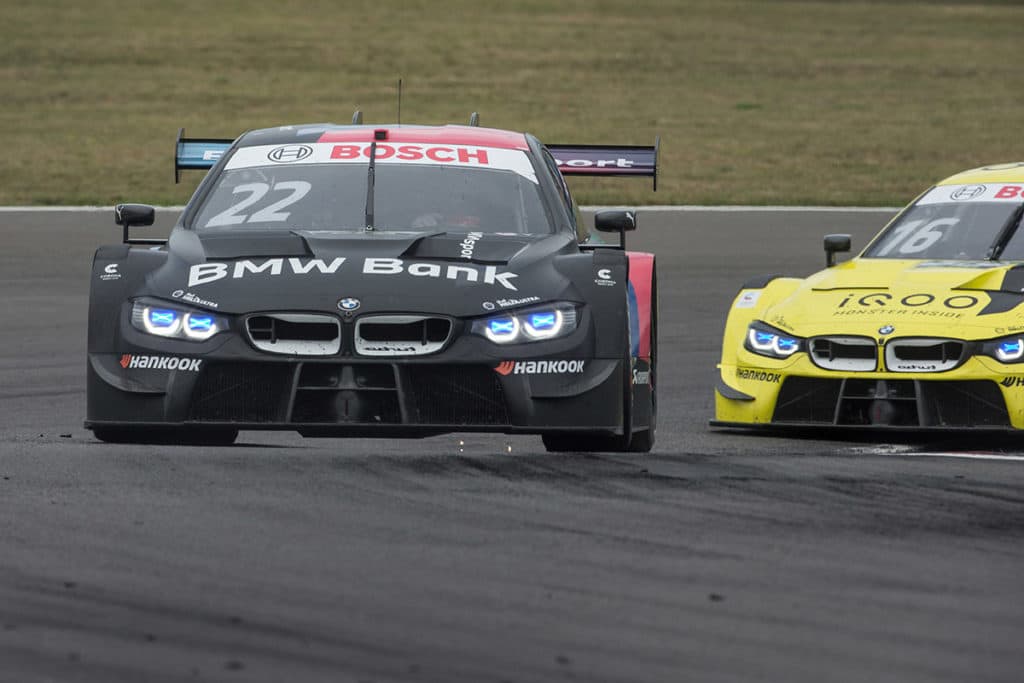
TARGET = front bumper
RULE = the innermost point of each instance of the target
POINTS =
(348, 396)
(974, 396)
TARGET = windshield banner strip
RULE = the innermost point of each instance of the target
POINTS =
(988, 192)
(429, 154)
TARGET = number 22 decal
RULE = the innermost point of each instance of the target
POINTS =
(256, 191)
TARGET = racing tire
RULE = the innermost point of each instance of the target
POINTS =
(206, 436)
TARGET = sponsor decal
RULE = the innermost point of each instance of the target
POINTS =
(618, 162)
(348, 304)
(439, 153)
(469, 244)
(758, 375)
(1010, 382)
(505, 303)
(289, 153)
(488, 305)
(604, 278)
(394, 266)
(470, 156)
(915, 304)
(748, 298)
(540, 367)
(973, 193)
(193, 299)
(204, 273)
(132, 362)
(388, 347)
(967, 192)
(932, 367)
(641, 376)
(110, 272)
(212, 154)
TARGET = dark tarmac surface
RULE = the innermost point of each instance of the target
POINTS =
(719, 557)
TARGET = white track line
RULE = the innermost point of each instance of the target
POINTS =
(909, 452)
(968, 455)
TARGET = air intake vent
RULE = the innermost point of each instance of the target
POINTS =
(850, 354)
(923, 355)
(401, 335)
(295, 334)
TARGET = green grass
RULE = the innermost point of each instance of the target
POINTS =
(756, 102)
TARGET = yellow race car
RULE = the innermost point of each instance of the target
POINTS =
(923, 330)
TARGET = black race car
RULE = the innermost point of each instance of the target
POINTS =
(389, 280)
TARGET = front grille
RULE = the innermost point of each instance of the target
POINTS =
(849, 354)
(923, 355)
(895, 403)
(295, 334)
(401, 335)
(242, 392)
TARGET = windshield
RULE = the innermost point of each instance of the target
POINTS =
(482, 190)
(958, 222)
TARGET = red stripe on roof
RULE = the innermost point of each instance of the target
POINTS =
(439, 135)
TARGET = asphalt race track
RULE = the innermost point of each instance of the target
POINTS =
(719, 557)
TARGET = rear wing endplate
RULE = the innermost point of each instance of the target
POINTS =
(605, 160)
(197, 153)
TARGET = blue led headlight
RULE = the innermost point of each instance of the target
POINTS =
(1005, 350)
(765, 340)
(534, 324)
(501, 330)
(176, 322)
(161, 321)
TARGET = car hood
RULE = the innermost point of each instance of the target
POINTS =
(454, 273)
(968, 299)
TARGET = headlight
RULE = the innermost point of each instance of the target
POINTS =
(1005, 350)
(176, 322)
(535, 324)
(767, 341)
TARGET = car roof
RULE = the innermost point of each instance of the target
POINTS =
(997, 173)
(392, 133)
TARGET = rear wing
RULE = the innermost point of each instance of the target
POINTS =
(604, 160)
(197, 153)
(593, 160)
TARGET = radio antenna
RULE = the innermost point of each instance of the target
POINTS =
(399, 101)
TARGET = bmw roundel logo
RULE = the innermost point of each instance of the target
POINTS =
(289, 153)
(348, 304)
(888, 329)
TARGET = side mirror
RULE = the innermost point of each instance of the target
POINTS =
(134, 214)
(835, 244)
(615, 221)
(127, 215)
